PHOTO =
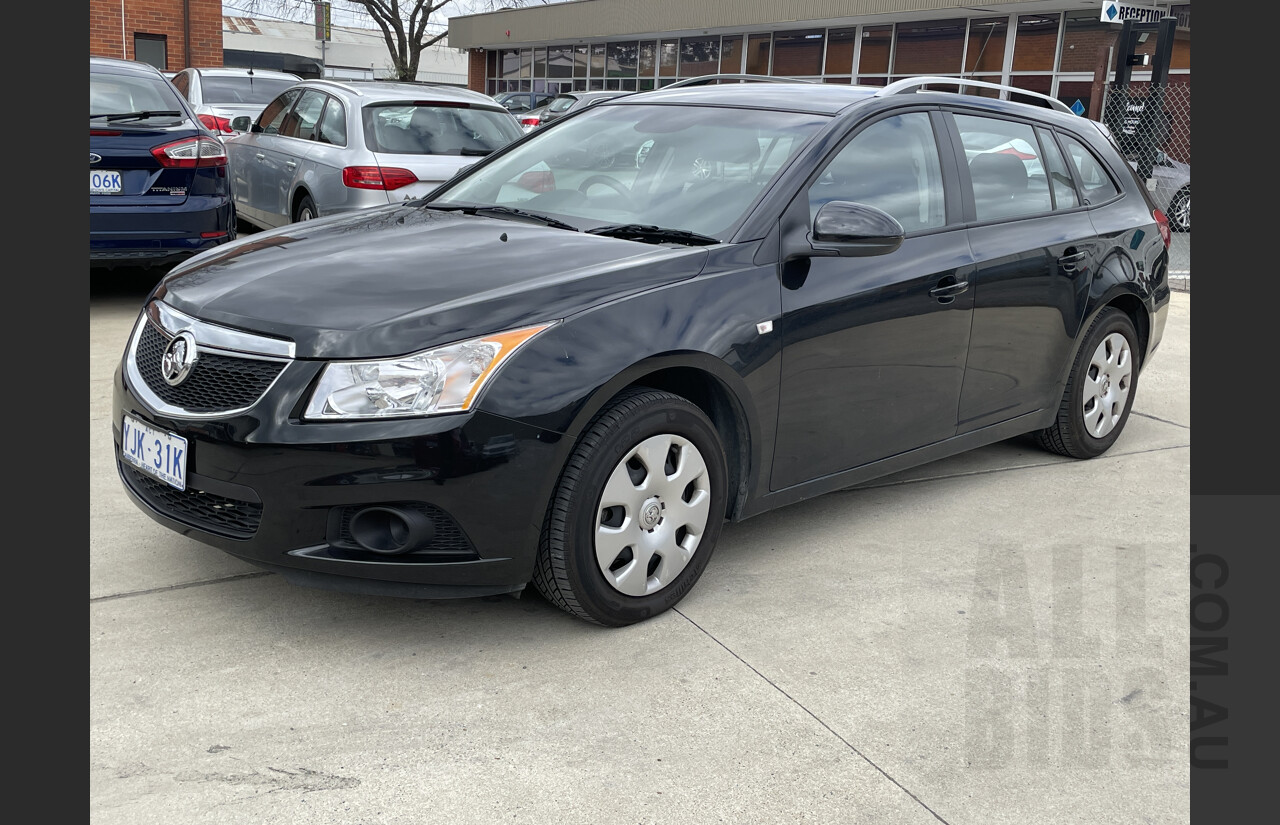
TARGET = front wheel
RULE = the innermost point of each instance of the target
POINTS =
(1100, 390)
(636, 513)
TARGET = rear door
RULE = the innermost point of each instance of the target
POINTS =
(1035, 250)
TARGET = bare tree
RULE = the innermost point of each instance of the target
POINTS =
(404, 24)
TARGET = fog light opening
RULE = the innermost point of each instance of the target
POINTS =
(391, 530)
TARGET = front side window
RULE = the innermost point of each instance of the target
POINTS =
(1005, 167)
(694, 168)
(891, 165)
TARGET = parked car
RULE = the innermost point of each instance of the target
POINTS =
(158, 185)
(1172, 190)
(793, 289)
(323, 147)
(562, 105)
(520, 102)
(219, 95)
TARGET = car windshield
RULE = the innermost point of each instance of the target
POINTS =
(217, 89)
(694, 168)
(113, 94)
(426, 129)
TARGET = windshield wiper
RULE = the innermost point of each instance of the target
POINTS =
(506, 211)
(135, 115)
(653, 234)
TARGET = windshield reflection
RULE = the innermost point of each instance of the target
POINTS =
(694, 168)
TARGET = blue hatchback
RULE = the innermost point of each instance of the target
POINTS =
(158, 185)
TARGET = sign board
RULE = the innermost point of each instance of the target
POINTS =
(323, 31)
(1113, 12)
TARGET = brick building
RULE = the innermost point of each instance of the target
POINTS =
(168, 34)
(1046, 46)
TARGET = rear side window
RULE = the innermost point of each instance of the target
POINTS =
(1005, 167)
(423, 129)
(217, 89)
(113, 94)
(1097, 184)
(333, 126)
(272, 117)
(891, 165)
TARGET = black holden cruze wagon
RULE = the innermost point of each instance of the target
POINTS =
(573, 362)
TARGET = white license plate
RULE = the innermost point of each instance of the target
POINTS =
(104, 183)
(163, 455)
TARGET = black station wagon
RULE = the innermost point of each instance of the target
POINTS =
(745, 295)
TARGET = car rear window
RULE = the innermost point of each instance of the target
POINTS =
(236, 89)
(561, 103)
(425, 129)
(111, 94)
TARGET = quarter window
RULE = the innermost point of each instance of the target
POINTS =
(1005, 168)
(1097, 184)
(333, 126)
(891, 165)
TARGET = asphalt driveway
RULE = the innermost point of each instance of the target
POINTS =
(1000, 637)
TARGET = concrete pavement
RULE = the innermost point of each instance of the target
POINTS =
(1000, 637)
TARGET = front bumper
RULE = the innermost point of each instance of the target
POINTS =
(280, 493)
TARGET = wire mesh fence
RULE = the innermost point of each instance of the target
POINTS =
(1147, 119)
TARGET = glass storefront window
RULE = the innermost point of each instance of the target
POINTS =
(510, 62)
(560, 61)
(699, 56)
(597, 61)
(1036, 42)
(526, 62)
(669, 56)
(622, 59)
(840, 44)
(1082, 37)
(579, 62)
(986, 45)
(758, 53)
(875, 50)
(648, 58)
(798, 53)
(731, 55)
(929, 47)
(539, 62)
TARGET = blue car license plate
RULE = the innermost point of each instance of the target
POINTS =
(104, 183)
(161, 454)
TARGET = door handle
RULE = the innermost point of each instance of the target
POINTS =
(290, 163)
(948, 288)
(259, 156)
(1071, 259)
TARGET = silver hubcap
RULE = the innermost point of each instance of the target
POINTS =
(652, 514)
(1106, 385)
(1183, 213)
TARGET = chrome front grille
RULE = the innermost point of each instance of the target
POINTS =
(233, 369)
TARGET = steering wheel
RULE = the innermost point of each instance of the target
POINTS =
(613, 183)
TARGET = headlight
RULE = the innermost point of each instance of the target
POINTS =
(441, 380)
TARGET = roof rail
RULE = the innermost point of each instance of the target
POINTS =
(333, 82)
(707, 79)
(917, 84)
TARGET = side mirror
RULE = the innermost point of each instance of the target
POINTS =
(241, 123)
(853, 230)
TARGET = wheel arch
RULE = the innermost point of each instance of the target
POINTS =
(711, 386)
(298, 194)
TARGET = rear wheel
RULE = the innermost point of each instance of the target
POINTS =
(636, 513)
(1100, 390)
(305, 210)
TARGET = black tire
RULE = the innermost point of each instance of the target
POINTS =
(1083, 430)
(567, 571)
(305, 210)
(1180, 211)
